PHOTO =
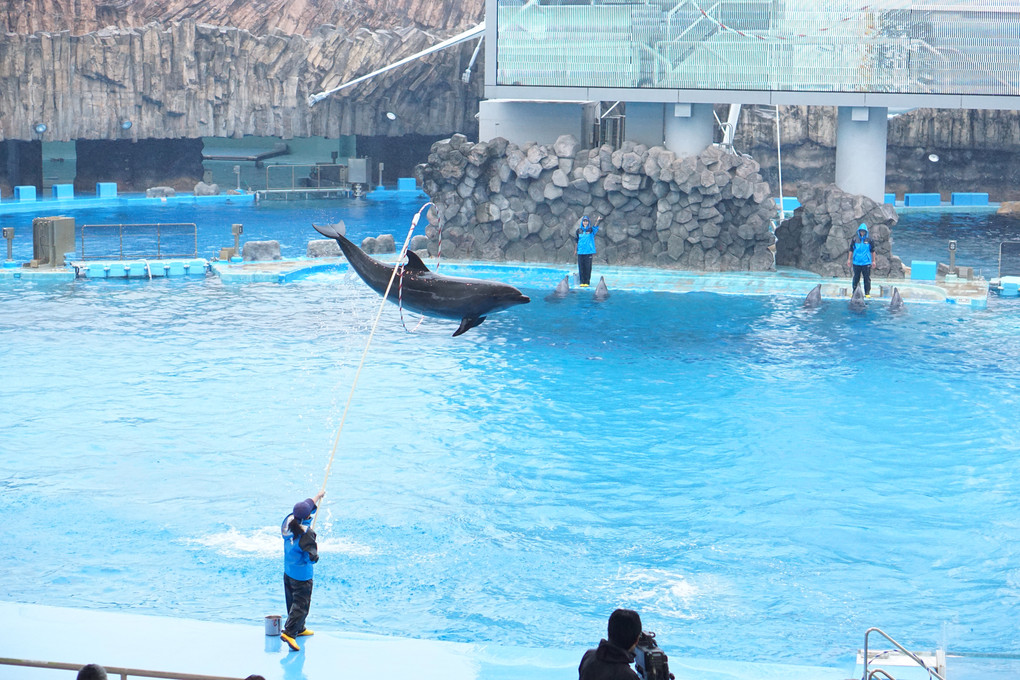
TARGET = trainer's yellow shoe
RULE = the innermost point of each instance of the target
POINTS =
(290, 642)
(584, 285)
(306, 631)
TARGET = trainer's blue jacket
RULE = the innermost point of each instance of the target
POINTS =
(586, 240)
(297, 562)
(862, 247)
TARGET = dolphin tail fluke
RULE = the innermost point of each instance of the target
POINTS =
(467, 323)
(331, 230)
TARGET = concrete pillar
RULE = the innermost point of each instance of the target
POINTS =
(689, 128)
(535, 121)
(644, 123)
(861, 133)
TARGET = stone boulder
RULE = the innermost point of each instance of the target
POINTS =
(324, 248)
(261, 251)
(206, 189)
(160, 192)
(817, 237)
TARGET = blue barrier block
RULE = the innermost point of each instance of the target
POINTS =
(890, 199)
(923, 270)
(106, 190)
(116, 270)
(24, 193)
(196, 267)
(406, 184)
(790, 203)
(95, 270)
(1009, 289)
(968, 198)
(175, 268)
(157, 269)
(62, 190)
(922, 199)
(136, 269)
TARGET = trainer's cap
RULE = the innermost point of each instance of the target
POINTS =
(303, 510)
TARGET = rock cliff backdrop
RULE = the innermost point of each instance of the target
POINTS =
(179, 69)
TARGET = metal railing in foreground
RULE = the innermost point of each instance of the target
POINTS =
(154, 241)
(124, 673)
(914, 657)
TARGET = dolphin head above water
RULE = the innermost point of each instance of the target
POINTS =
(857, 303)
(896, 301)
(428, 293)
(814, 298)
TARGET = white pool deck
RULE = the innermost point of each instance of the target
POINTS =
(232, 650)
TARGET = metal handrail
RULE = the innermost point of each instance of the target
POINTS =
(341, 169)
(124, 673)
(914, 657)
(875, 672)
(189, 229)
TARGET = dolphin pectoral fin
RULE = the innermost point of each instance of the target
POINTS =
(467, 323)
(415, 265)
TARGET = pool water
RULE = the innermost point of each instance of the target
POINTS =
(760, 481)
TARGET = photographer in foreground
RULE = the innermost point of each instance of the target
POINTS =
(611, 660)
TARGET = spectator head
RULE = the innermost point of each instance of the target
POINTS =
(92, 671)
(624, 628)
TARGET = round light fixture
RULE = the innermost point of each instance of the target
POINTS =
(125, 125)
(391, 116)
(933, 157)
(40, 128)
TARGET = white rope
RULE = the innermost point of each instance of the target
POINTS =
(368, 343)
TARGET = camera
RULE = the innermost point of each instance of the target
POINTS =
(650, 661)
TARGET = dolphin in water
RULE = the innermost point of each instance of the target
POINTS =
(561, 291)
(425, 292)
(814, 298)
(601, 290)
(857, 303)
(896, 302)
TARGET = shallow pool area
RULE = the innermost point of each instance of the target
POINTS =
(762, 482)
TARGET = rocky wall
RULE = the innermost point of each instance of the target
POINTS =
(186, 80)
(817, 237)
(499, 201)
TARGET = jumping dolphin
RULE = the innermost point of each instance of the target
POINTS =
(896, 303)
(562, 289)
(857, 303)
(601, 290)
(814, 298)
(424, 292)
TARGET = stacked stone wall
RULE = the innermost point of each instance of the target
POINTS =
(499, 201)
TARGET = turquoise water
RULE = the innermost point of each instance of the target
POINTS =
(761, 482)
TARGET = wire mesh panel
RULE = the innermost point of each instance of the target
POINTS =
(905, 47)
(141, 241)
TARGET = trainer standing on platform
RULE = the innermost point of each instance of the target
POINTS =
(861, 257)
(585, 237)
(300, 552)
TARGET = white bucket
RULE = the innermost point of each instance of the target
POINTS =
(273, 624)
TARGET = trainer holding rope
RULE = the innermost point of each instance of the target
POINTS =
(300, 553)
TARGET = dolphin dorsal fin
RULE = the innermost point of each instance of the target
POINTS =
(414, 263)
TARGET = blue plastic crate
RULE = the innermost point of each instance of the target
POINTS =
(923, 270)
(406, 184)
(106, 189)
(969, 198)
(922, 199)
(62, 190)
(890, 199)
(24, 193)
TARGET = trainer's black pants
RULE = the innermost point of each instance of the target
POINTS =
(299, 599)
(862, 270)
(584, 268)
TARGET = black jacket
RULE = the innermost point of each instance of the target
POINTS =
(607, 662)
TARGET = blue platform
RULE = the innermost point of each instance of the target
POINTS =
(232, 650)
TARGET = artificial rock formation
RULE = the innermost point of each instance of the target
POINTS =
(817, 237)
(498, 201)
